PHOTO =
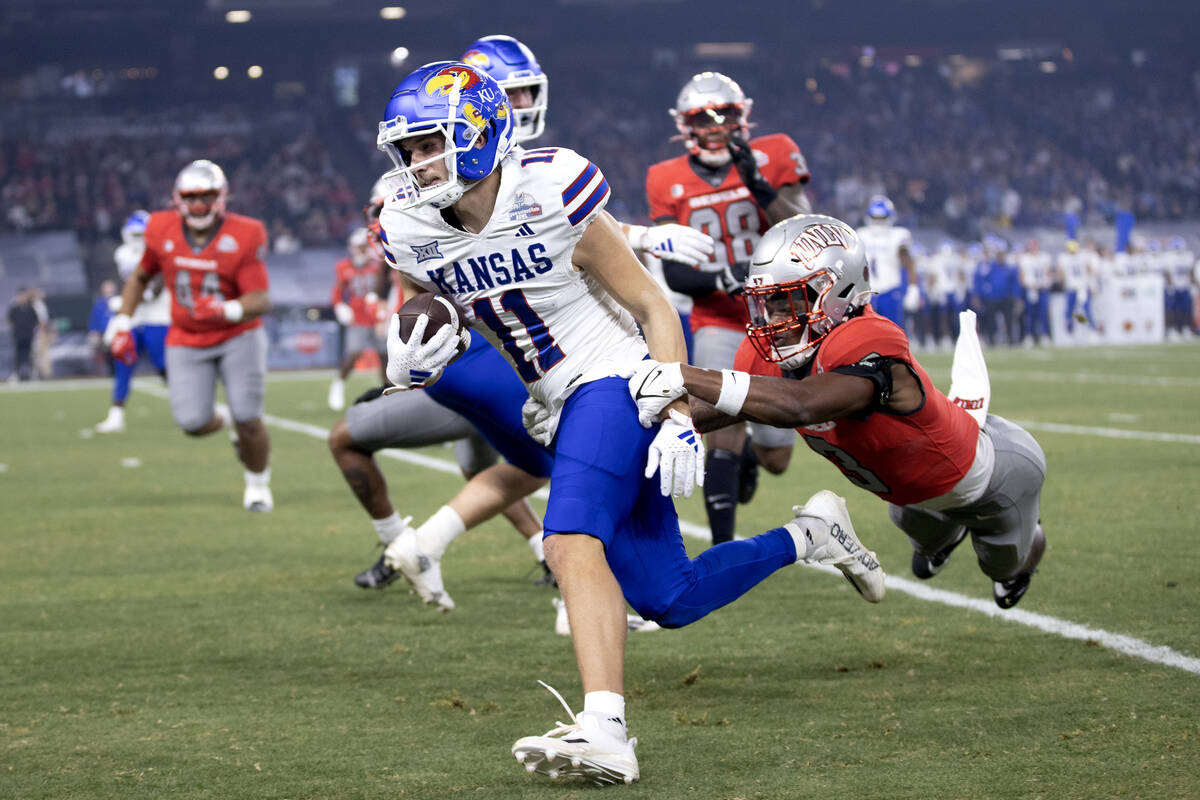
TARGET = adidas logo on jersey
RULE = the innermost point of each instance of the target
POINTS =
(525, 230)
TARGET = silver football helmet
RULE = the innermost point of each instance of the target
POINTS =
(710, 108)
(807, 276)
(200, 193)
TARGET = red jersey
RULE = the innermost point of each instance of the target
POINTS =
(903, 458)
(725, 212)
(352, 287)
(228, 266)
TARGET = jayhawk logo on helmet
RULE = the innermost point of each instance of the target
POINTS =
(441, 83)
(477, 59)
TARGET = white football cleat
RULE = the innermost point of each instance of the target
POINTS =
(824, 535)
(114, 422)
(423, 572)
(635, 624)
(258, 498)
(337, 396)
(579, 750)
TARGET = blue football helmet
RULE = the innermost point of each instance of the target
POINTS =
(880, 211)
(134, 229)
(463, 104)
(514, 67)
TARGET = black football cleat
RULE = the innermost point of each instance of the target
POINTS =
(747, 473)
(1008, 593)
(376, 576)
(547, 577)
(925, 567)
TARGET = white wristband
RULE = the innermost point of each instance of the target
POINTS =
(233, 310)
(734, 388)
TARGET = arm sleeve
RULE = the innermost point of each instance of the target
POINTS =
(689, 280)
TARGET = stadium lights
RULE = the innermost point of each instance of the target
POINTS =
(237, 16)
(254, 71)
(221, 73)
(392, 12)
(399, 56)
(1048, 67)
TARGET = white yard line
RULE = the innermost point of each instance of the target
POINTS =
(1060, 627)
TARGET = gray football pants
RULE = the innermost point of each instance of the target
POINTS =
(1002, 521)
(413, 419)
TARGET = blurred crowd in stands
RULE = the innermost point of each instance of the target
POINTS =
(961, 149)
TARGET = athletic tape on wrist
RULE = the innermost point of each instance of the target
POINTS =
(734, 388)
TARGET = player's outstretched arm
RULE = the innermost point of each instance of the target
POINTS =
(779, 402)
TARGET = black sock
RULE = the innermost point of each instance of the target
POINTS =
(747, 473)
(720, 493)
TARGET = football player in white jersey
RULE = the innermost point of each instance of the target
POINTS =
(150, 321)
(948, 291)
(1033, 266)
(458, 411)
(520, 240)
(1181, 262)
(1074, 270)
(891, 264)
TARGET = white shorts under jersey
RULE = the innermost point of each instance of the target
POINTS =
(515, 279)
(155, 308)
(883, 243)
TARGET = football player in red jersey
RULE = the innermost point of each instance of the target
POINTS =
(355, 304)
(733, 188)
(212, 263)
(825, 362)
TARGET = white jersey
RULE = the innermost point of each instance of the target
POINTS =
(516, 280)
(1074, 270)
(1182, 262)
(1035, 270)
(155, 308)
(950, 279)
(883, 243)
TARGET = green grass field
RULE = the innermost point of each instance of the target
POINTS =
(157, 641)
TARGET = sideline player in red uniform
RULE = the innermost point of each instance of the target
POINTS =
(355, 303)
(733, 188)
(212, 263)
(825, 362)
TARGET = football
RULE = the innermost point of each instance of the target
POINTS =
(440, 309)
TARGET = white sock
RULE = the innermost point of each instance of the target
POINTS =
(116, 414)
(805, 546)
(259, 480)
(389, 528)
(439, 531)
(535, 544)
(607, 709)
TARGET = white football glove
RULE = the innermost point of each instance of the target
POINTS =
(653, 387)
(676, 243)
(412, 365)
(118, 323)
(912, 298)
(540, 423)
(344, 314)
(677, 452)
